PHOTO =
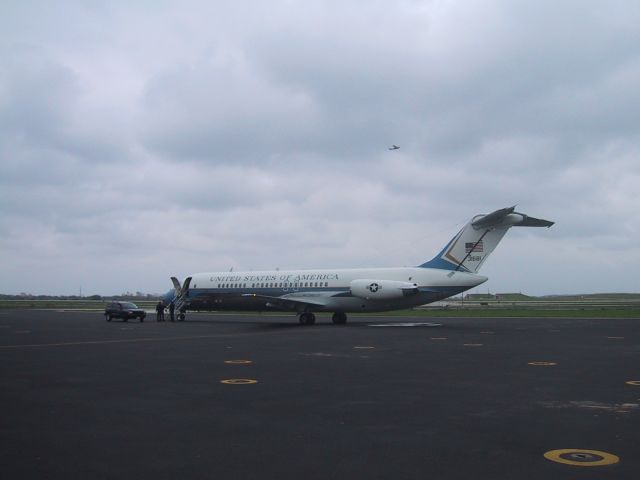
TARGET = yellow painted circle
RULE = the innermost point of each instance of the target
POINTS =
(543, 364)
(238, 362)
(581, 458)
(634, 382)
(238, 381)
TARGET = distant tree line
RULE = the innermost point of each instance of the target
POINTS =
(124, 296)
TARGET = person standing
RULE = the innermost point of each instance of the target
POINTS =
(160, 311)
(172, 311)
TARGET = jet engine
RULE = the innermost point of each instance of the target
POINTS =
(382, 289)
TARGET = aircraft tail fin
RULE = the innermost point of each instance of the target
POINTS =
(472, 245)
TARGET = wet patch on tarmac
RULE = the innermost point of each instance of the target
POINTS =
(589, 405)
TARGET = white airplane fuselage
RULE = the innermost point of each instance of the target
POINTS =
(327, 290)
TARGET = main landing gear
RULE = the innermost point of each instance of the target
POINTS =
(339, 318)
(307, 318)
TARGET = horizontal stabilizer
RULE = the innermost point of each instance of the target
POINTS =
(508, 217)
(534, 222)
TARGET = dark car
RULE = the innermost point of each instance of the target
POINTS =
(123, 310)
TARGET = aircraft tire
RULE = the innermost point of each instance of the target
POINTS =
(339, 318)
(307, 318)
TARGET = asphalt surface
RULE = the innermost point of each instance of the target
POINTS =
(83, 398)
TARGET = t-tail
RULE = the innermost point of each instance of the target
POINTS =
(472, 245)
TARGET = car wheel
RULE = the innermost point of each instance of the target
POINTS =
(125, 319)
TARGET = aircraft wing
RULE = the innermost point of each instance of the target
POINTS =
(293, 300)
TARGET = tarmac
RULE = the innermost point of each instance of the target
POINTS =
(261, 397)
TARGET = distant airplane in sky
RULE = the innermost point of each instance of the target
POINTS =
(394, 147)
(341, 291)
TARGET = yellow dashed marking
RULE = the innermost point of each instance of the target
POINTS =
(542, 364)
(238, 362)
(581, 458)
(438, 338)
(616, 338)
(363, 347)
(472, 344)
(635, 383)
(239, 381)
(487, 333)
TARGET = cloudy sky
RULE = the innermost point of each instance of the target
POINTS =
(144, 139)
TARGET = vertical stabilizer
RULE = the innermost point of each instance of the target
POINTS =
(472, 245)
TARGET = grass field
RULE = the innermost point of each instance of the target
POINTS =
(592, 306)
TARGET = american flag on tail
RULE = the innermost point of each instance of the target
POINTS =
(470, 247)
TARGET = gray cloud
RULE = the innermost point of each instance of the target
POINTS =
(169, 138)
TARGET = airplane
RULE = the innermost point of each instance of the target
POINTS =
(394, 147)
(341, 291)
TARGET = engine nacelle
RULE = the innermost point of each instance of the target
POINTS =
(382, 289)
